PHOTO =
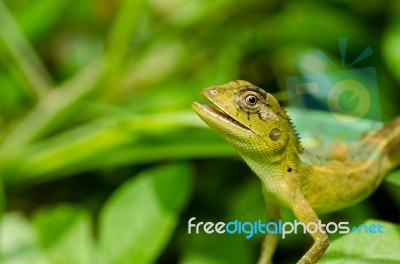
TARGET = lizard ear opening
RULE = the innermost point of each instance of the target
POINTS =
(275, 134)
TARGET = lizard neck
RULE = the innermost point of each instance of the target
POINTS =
(273, 158)
(275, 167)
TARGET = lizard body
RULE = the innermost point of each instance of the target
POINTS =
(254, 123)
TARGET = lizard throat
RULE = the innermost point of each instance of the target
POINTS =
(220, 114)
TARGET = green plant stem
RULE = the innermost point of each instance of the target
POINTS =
(53, 108)
(25, 57)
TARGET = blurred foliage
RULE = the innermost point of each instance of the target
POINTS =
(101, 157)
(366, 247)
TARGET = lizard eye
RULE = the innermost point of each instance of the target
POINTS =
(251, 99)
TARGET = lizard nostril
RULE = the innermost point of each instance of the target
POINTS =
(214, 92)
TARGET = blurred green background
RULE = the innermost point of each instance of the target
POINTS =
(102, 159)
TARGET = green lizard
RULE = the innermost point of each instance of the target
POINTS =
(254, 123)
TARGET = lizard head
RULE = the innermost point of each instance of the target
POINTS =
(246, 116)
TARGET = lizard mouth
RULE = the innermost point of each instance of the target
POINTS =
(219, 114)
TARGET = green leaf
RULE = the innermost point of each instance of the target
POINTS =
(46, 116)
(19, 48)
(391, 42)
(18, 241)
(2, 200)
(366, 247)
(140, 217)
(65, 234)
(123, 29)
(111, 142)
(394, 177)
(29, 17)
(216, 249)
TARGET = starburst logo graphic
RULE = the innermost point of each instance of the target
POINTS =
(349, 97)
(348, 93)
